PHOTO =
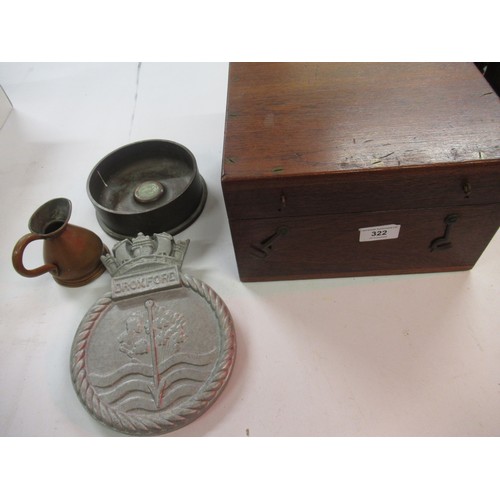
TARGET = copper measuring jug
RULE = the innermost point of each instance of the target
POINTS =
(72, 254)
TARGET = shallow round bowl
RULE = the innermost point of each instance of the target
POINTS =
(147, 187)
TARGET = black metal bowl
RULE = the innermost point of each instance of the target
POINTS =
(147, 187)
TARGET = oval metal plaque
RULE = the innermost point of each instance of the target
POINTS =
(154, 354)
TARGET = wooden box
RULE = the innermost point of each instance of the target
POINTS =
(340, 169)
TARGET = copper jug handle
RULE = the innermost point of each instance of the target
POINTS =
(17, 257)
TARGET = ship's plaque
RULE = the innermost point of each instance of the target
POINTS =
(153, 354)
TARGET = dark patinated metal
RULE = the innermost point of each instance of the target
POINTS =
(155, 353)
(443, 242)
(72, 254)
(150, 186)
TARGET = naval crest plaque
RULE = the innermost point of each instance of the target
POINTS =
(153, 354)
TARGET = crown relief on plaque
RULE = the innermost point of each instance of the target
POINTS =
(145, 263)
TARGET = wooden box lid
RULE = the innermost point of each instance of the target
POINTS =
(312, 118)
(314, 138)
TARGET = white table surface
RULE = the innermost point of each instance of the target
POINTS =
(410, 355)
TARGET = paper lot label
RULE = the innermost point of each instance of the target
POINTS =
(377, 233)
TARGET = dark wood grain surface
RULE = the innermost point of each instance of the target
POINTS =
(325, 149)
(329, 246)
(289, 118)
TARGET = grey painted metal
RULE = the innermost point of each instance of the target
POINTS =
(153, 354)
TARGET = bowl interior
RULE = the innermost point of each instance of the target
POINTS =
(119, 181)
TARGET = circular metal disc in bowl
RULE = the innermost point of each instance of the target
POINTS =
(147, 187)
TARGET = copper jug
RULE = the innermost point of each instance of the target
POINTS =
(72, 254)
